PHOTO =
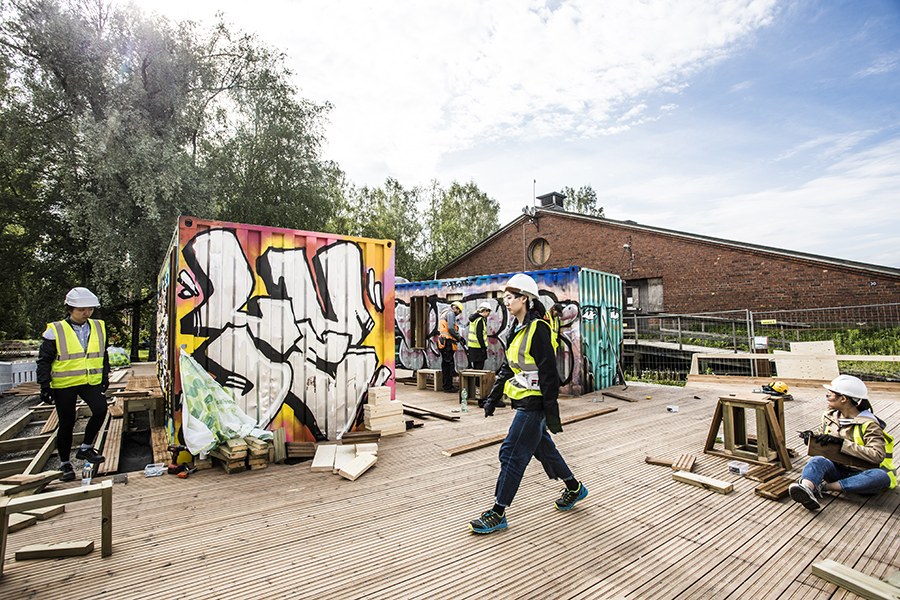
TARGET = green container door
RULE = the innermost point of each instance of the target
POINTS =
(600, 298)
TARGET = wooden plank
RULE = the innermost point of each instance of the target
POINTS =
(4, 523)
(660, 462)
(323, 461)
(496, 439)
(20, 521)
(707, 483)
(764, 473)
(279, 444)
(59, 550)
(106, 518)
(343, 455)
(685, 462)
(160, 443)
(112, 448)
(12, 467)
(356, 467)
(775, 488)
(39, 460)
(857, 582)
(52, 423)
(47, 512)
(13, 429)
(432, 413)
(31, 483)
(23, 444)
(618, 396)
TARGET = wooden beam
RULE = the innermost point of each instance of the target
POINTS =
(432, 413)
(20, 424)
(659, 462)
(855, 581)
(55, 550)
(43, 455)
(618, 396)
(4, 522)
(496, 439)
(707, 483)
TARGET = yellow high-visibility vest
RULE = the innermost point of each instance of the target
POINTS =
(859, 430)
(525, 381)
(73, 364)
(888, 463)
(473, 332)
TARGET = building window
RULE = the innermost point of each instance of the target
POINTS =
(539, 252)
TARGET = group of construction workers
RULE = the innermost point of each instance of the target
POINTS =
(476, 343)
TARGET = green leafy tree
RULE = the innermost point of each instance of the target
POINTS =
(115, 123)
(388, 212)
(583, 201)
(456, 219)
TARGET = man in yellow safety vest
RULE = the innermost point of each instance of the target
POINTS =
(72, 362)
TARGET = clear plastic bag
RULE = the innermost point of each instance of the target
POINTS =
(155, 469)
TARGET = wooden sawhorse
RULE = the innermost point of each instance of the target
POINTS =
(769, 445)
(24, 503)
(477, 384)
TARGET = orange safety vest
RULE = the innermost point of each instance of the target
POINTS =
(444, 330)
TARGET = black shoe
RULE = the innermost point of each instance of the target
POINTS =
(91, 455)
(68, 472)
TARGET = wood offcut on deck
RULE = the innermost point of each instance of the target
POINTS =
(399, 531)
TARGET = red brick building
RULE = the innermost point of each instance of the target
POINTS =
(673, 271)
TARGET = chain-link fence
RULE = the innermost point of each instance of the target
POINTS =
(660, 347)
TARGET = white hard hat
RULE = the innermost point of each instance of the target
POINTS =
(521, 283)
(484, 306)
(848, 385)
(82, 298)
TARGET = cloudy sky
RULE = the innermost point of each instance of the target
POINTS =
(761, 121)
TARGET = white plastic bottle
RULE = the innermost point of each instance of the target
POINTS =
(464, 400)
(86, 473)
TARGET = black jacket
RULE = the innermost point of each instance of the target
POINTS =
(545, 359)
(47, 354)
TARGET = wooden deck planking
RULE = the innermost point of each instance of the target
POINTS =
(321, 536)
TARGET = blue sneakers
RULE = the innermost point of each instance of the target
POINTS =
(569, 497)
(488, 522)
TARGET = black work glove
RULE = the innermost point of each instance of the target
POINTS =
(104, 386)
(46, 395)
(554, 426)
(825, 439)
(488, 409)
(805, 435)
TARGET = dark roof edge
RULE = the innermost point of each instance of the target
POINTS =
(850, 264)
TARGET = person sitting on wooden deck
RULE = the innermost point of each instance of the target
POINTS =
(529, 378)
(850, 422)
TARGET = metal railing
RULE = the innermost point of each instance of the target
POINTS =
(660, 346)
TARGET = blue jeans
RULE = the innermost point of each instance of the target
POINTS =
(870, 481)
(527, 437)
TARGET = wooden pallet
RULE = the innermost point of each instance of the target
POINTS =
(763, 473)
(111, 448)
(775, 489)
(160, 443)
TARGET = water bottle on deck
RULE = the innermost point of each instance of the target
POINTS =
(86, 473)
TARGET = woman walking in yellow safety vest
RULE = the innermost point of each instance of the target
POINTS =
(529, 378)
(72, 362)
(850, 422)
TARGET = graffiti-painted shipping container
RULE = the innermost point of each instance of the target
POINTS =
(292, 322)
(590, 326)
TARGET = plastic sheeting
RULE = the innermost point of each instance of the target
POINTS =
(211, 416)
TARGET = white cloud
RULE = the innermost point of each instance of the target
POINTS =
(883, 64)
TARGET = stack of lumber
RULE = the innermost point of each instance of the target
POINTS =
(29, 388)
(300, 449)
(382, 414)
(231, 456)
(347, 460)
(258, 457)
